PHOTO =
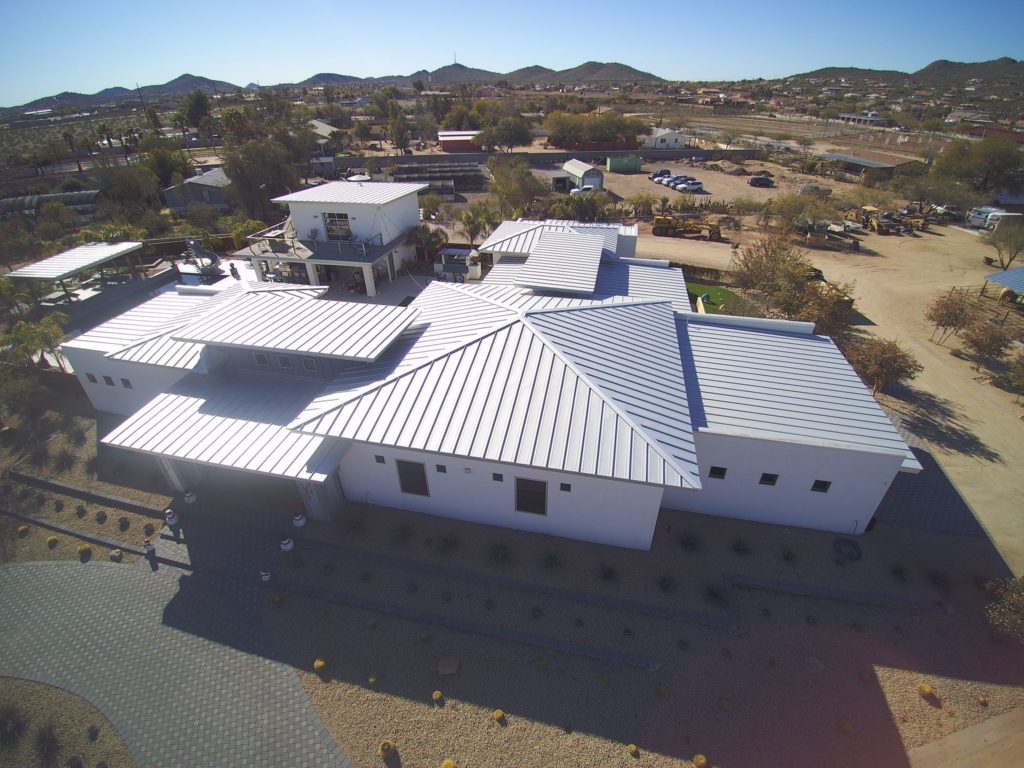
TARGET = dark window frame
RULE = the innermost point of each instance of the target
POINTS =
(309, 364)
(565, 487)
(127, 383)
(378, 458)
(283, 361)
(531, 496)
(108, 381)
(412, 477)
(442, 469)
(768, 478)
(497, 477)
(821, 486)
(257, 356)
(91, 378)
(717, 473)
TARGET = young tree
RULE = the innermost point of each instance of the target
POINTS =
(428, 241)
(513, 186)
(241, 231)
(1008, 240)
(880, 361)
(71, 140)
(475, 220)
(986, 341)
(776, 269)
(195, 107)
(362, 131)
(950, 313)
(398, 127)
(430, 204)
(828, 307)
(507, 133)
(259, 171)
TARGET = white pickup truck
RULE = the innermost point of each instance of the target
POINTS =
(988, 217)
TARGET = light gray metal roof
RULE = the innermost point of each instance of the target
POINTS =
(517, 238)
(515, 395)
(577, 167)
(353, 192)
(523, 299)
(153, 317)
(1011, 278)
(296, 323)
(566, 262)
(780, 386)
(652, 280)
(76, 260)
(212, 178)
(448, 317)
(239, 422)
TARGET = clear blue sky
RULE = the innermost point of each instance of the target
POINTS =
(62, 45)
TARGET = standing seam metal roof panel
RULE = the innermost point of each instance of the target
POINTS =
(1011, 278)
(782, 386)
(338, 329)
(74, 261)
(353, 192)
(566, 262)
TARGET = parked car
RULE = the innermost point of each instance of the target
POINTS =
(666, 180)
(586, 189)
(690, 186)
(659, 173)
(760, 181)
(818, 190)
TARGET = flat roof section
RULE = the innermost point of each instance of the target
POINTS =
(303, 325)
(69, 263)
(353, 192)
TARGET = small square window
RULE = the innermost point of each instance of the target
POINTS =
(91, 378)
(821, 486)
(717, 473)
(126, 383)
(108, 381)
(259, 358)
(567, 487)
(379, 459)
(309, 363)
(284, 361)
(497, 477)
(442, 469)
(767, 478)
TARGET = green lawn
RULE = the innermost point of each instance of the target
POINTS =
(719, 295)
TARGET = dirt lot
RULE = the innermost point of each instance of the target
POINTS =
(717, 185)
(972, 428)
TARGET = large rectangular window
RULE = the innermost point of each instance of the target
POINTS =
(531, 496)
(336, 226)
(412, 476)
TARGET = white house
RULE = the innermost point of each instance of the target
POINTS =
(572, 392)
(665, 138)
(340, 232)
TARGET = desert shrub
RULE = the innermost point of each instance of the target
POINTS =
(65, 460)
(84, 552)
(633, 750)
(148, 529)
(714, 593)
(319, 665)
(500, 555)
(80, 511)
(436, 697)
(12, 726)
(498, 715)
(123, 523)
(386, 748)
(58, 505)
(47, 745)
(100, 517)
(1005, 611)
(23, 531)
(689, 542)
(51, 542)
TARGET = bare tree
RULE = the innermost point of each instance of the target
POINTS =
(1008, 240)
(986, 341)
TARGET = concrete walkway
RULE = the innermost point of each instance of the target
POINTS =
(995, 743)
(172, 660)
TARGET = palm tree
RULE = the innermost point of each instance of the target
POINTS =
(13, 297)
(664, 209)
(477, 219)
(428, 240)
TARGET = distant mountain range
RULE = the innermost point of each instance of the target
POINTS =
(451, 74)
(938, 73)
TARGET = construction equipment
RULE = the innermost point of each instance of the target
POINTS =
(673, 226)
(870, 217)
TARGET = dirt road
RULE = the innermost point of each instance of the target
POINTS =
(974, 430)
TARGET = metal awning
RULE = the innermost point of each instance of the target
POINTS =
(79, 259)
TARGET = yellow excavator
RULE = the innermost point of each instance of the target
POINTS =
(672, 226)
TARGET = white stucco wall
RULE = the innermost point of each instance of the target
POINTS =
(598, 510)
(147, 381)
(859, 481)
(388, 220)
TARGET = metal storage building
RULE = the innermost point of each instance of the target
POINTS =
(581, 174)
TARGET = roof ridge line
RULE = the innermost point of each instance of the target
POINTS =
(447, 353)
(597, 305)
(670, 460)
